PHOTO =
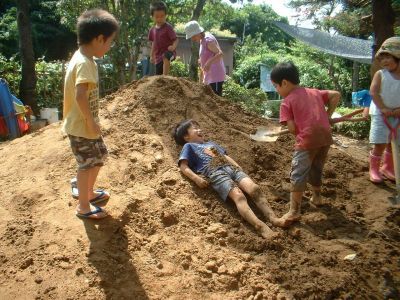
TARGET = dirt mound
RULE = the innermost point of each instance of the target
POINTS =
(166, 238)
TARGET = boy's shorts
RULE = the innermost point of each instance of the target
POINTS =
(379, 132)
(307, 166)
(89, 153)
(224, 179)
(159, 67)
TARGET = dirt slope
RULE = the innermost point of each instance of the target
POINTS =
(166, 238)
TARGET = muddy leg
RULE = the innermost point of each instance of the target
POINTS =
(245, 211)
(316, 198)
(254, 190)
(294, 212)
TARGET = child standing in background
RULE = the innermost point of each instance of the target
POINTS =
(384, 110)
(211, 62)
(163, 38)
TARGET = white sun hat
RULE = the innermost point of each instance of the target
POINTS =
(192, 28)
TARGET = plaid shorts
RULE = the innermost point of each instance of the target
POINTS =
(307, 167)
(89, 153)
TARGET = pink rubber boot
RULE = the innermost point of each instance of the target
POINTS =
(374, 163)
(387, 169)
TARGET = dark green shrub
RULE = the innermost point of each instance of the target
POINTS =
(179, 69)
(272, 108)
(358, 130)
(251, 99)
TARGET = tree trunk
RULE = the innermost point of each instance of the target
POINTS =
(28, 82)
(193, 74)
(383, 18)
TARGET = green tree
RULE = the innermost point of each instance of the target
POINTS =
(50, 38)
(256, 21)
(134, 19)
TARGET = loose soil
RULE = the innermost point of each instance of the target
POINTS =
(168, 239)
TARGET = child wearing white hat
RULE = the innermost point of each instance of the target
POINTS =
(211, 62)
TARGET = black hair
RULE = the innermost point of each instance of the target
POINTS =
(285, 71)
(93, 23)
(158, 6)
(182, 129)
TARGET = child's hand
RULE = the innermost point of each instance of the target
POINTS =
(94, 128)
(201, 183)
(152, 60)
(171, 48)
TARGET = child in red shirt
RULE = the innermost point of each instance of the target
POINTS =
(163, 38)
(303, 112)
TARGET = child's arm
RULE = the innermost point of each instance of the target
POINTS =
(83, 103)
(232, 161)
(173, 46)
(333, 101)
(184, 166)
(218, 54)
(375, 90)
(291, 126)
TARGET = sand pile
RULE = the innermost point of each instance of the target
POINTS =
(166, 238)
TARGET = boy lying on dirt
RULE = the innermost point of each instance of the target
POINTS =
(208, 163)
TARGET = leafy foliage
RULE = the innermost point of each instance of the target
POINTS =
(272, 108)
(179, 68)
(358, 130)
(49, 90)
(251, 99)
(317, 69)
(51, 39)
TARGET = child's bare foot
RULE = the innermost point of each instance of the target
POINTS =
(287, 219)
(267, 232)
(317, 201)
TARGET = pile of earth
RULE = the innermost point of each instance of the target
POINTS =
(168, 239)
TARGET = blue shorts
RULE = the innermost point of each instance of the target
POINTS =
(307, 166)
(224, 179)
(379, 132)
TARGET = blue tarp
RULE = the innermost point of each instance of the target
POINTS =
(7, 110)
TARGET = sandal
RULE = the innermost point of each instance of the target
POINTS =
(102, 195)
(91, 213)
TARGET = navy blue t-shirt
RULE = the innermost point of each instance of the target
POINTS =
(197, 156)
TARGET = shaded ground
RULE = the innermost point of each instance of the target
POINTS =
(166, 238)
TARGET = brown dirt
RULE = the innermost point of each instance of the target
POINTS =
(166, 238)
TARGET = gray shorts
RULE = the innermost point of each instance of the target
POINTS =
(379, 132)
(224, 179)
(89, 153)
(307, 166)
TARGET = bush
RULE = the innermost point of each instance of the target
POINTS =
(49, 84)
(272, 108)
(179, 68)
(251, 99)
(358, 130)
(10, 70)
